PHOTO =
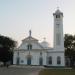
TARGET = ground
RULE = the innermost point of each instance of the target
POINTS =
(57, 72)
(35, 70)
(19, 70)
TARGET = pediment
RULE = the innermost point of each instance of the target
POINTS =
(29, 39)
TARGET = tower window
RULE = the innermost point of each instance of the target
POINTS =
(57, 16)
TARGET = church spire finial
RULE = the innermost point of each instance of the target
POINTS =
(44, 39)
(57, 7)
(57, 4)
(30, 33)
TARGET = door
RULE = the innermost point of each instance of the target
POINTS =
(29, 61)
(40, 61)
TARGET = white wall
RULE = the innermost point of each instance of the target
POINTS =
(54, 58)
(35, 45)
(35, 57)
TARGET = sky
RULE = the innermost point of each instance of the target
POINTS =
(17, 17)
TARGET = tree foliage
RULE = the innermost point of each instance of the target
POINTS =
(69, 43)
(6, 48)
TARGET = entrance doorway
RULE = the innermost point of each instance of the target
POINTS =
(29, 61)
(40, 61)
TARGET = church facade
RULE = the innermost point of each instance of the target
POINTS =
(32, 52)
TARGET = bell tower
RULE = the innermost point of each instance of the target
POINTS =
(58, 31)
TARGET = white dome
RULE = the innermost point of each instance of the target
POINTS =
(45, 44)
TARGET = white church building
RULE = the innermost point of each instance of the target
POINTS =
(32, 52)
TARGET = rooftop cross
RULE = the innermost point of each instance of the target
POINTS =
(30, 33)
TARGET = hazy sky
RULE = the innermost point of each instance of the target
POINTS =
(17, 17)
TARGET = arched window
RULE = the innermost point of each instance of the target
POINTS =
(58, 60)
(50, 60)
(40, 61)
(29, 46)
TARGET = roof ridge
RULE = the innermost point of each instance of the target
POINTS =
(30, 38)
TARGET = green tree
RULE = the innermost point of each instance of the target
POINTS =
(6, 48)
(69, 43)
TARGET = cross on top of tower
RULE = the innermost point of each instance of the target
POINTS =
(57, 7)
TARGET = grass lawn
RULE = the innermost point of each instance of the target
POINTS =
(57, 72)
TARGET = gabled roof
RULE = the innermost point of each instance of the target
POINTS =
(30, 38)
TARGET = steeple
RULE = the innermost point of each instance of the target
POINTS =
(58, 4)
(58, 12)
(58, 30)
